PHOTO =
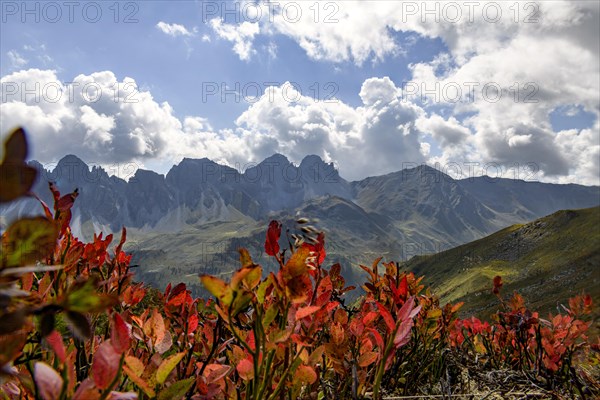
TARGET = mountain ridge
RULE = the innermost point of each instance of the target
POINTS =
(172, 219)
(202, 190)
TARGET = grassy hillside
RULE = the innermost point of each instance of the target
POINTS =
(546, 261)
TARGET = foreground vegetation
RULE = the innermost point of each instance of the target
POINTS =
(73, 324)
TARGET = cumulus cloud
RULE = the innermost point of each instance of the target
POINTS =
(508, 65)
(447, 133)
(174, 30)
(241, 35)
(105, 120)
(371, 139)
(98, 117)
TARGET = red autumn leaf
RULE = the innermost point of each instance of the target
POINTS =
(299, 289)
(87, 391)
(318, 248)
(64, 218)
(376, 336)
(301, 340)
(387, 317)
(497, 284)
(105, 365)
(356, 327)
(403, 333)
(341, 316)
(55, 194)
(401, 291)
(55, 341)
(66, 202)
(272, 240)
(216, 372)
(369, 318)
(47, 380)
(121, 242)
(245, 369)
(192, 323)
(367, 358)
(408, 310)
(177, 290)
(120, 334)
(306, 311)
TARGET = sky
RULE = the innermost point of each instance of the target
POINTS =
(506, 89)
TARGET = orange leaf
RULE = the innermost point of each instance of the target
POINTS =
(306, 311)
(367, 358)
(154, 327)
(337, 332)
(305, 374)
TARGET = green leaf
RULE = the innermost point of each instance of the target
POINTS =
(28, 240)
(261, 292)
(270, 315)
(241, 302)
(167, 366)
(218, 288)
(177, 390)
(85, 298)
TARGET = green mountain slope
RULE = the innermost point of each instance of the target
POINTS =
(546, 261)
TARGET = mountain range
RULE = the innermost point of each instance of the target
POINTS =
(195, 217)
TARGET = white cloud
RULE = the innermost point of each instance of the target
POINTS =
(371, 139)
(16, 60)
(241, 35)
(376, 137)
(107, 122)
(447, 133)
(541, 55)
(174, 30)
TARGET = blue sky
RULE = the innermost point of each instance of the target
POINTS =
(185, 53)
